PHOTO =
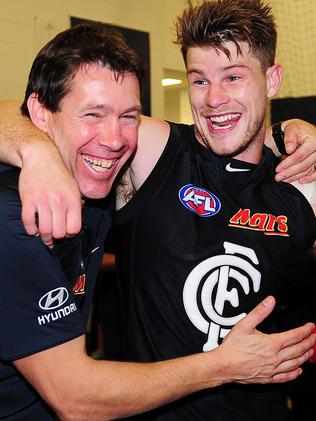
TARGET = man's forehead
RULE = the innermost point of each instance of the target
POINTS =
(229, 48)
(98, 87)
(99, 71)
(231, 54)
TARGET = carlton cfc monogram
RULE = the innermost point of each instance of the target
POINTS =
(206, 291)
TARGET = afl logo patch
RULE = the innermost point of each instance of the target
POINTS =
(199, 200)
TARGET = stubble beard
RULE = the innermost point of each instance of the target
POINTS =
(254, 136)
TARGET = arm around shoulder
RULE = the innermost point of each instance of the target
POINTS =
(48, 192)
(18, 136)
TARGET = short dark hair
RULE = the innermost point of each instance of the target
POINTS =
(213, 23)
(59, 60)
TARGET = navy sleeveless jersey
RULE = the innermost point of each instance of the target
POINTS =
(201, 243)
(45, 294)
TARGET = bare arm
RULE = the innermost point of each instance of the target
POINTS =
(46, 187)
(80, 388)
(152, 139)
(14, 129)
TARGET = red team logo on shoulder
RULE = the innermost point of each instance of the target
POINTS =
(199, 200)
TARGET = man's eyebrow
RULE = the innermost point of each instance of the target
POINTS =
(109, 108)
(199, 72)
(137, 108)
(234, 66)
(100, 107)
(225, 68)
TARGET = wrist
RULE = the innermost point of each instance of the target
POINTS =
(37, 147)
(278, 137)
(219, 368)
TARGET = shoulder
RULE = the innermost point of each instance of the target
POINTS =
(152, 138)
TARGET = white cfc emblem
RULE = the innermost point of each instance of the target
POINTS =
(207, 288)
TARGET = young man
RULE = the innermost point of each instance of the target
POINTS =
(83, 91)
(209, 231)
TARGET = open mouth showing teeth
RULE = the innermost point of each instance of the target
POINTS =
(100, 165)
(224, 121)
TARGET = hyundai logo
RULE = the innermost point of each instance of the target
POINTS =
(54, 299)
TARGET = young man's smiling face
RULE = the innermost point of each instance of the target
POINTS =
(96, 127)
(229, 99)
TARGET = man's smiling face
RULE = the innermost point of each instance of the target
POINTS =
(96, 127)
(228, 97)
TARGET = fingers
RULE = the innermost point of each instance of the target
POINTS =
(286, 377)
(258, 314)
(293, 364)
(296, 337)
(51, 219)
(300, 145)
(297, 348)
(51, 204)
(308, 178)
(293, 168)
(73, 222)
(29, 219)
(291, 134)
(290, 370)
(45, 224)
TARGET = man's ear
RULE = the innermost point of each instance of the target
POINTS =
(38, 113)
(274, 79)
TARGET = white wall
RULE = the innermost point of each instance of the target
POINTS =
(296, 48)
(26, 25)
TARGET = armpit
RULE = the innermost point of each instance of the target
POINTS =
(124, 190)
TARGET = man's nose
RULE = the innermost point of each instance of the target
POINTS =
(216, 96)
(111, 135)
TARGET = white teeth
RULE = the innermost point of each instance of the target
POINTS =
(100, 165)
(223, 118)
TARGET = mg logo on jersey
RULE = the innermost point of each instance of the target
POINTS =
(211, 286)
(199, 200)
(54, 299)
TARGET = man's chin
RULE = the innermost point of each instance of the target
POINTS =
(95, 193)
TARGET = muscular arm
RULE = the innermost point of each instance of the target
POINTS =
(80, 388)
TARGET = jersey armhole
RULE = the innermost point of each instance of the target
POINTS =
(152, 182)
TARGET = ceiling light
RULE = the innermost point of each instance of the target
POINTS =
(170, 82)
